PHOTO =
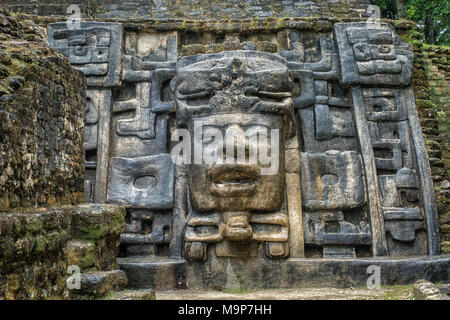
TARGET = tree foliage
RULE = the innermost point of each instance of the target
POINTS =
(433, 16)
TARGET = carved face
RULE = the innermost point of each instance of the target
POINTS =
(238, 185)
(90, 46)
(235, 109)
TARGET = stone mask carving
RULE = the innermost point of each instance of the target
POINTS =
(237, 95)
(340, 172)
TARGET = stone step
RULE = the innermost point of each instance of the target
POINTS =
(101, 282)
(165, 274)
(425, 290)
(142, 294)
(153, 272)
(445, 288)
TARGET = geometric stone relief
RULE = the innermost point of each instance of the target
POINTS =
(400, 190)
(384, 104)
(145, 231)
(138, 131)
(336, 237)
(95, 49)
(406, 231)
(332, 180)
(145, 52)
(97, 100)
(91, 122)
(352, 179)
(90, 142)
(372, 55)
(143, 182)
(384, 112)
(324, 109)
(394, 152)
(140, 117)
(142, 125)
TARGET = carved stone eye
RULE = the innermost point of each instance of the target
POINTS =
(145, 182)
(80, 51)
(362, 51)
(330, 179)
(384, 49)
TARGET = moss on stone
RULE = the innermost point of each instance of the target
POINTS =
(90, 233)
(40, 244)
(445, 247)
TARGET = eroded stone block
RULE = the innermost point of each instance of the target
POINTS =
(371, 55)
(143, 182)
(95, 49)
(332, 180)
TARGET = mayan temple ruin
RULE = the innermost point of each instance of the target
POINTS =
(156, 145)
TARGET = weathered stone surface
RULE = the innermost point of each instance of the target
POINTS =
(445, 288)
(243, 274)
(196, 10)
(424, 290)
(95, 49)
(42, 101)
(351, 177)
(154, 272)
(81, 253)
(36, 247)
(100, 283)
(143, 294)
(144, 182)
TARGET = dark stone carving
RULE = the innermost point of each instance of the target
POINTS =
(332, 180)
(145, 231)
(144, 182)
(372, 54)
(142, 125)
(352, 178)
(261, 99)
(91, 122)
(95, 49)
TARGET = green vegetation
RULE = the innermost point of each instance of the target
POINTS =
(235, 291)
(432, 16)
(398, 292)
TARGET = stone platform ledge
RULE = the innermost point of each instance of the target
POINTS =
(425, 290)
(166, 274)
(157, 273)
(38, 244)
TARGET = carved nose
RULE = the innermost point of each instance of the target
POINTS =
(238, 228)
(238, 224)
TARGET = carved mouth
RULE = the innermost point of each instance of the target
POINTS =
(234, 180)
(233, 177)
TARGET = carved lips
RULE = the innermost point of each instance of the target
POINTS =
(234, 180)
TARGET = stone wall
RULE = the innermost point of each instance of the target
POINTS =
(194, 9)
(42, 107)
(431, 76)
(37, 247)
